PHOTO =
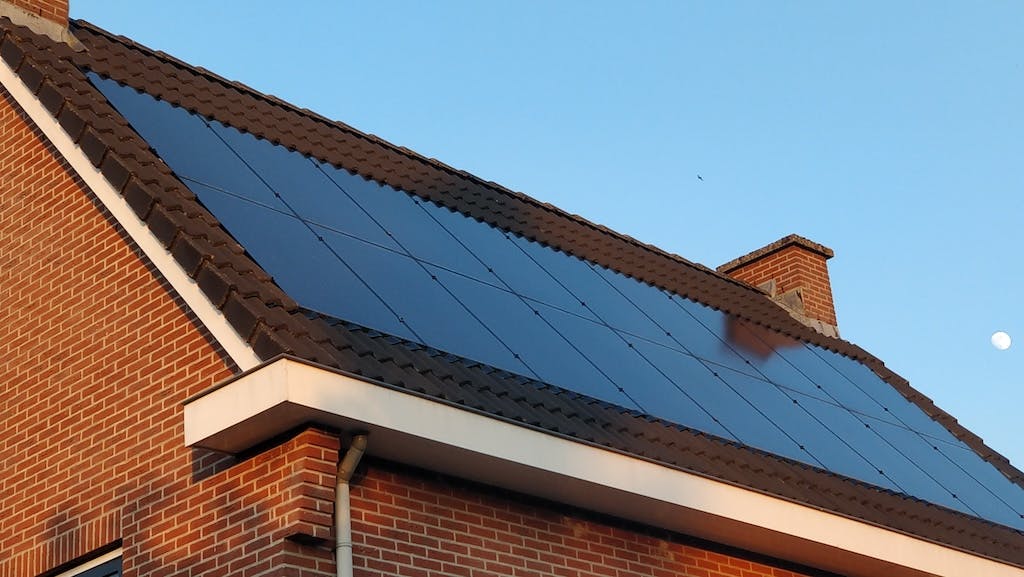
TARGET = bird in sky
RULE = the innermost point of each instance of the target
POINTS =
(700, 178)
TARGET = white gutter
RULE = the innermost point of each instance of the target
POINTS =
(236, 347)
(343, 508)
(422, 432)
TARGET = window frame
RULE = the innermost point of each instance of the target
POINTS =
(106, 565)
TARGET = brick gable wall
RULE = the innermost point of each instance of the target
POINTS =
(97, 357)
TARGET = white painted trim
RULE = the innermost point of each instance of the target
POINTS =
(236, 347)
(286, 393)
(94, 563)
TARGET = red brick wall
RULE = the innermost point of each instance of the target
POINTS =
(97, 357)
(415, 524)
(794, 267)
(54, 10)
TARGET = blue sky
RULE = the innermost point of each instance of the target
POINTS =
(890, 132)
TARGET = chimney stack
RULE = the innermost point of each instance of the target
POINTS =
(793, 272)
(47, 17)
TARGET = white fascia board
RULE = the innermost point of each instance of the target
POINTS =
(235, 346)
(285, 393)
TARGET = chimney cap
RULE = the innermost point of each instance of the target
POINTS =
(791, 240)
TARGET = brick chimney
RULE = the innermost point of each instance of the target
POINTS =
(793, 272)
(47, 17)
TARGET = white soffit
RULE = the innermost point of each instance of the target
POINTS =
(286, 393)
(236, 347)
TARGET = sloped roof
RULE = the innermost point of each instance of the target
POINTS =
(274, 324)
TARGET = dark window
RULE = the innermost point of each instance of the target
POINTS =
(111, 568)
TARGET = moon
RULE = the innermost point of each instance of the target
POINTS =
(1001, 340)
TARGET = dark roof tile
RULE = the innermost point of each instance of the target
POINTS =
(72, 122)
(93, 145)
(214, 284)
(243, 312)
(164, 224)
(11, 52)
(140, 197)
(51, 98)
(114, 171)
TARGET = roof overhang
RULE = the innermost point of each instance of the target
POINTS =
(282, 394)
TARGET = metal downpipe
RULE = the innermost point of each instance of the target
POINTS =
(342, 508)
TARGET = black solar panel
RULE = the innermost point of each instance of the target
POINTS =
(367, 253)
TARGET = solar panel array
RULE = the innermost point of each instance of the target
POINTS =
(366, 253)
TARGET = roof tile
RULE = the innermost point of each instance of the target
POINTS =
(11, 52)
(72, 122)
(51, 98)
(93, 145)
(243, 312)
(114, 171)
(139, 197)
